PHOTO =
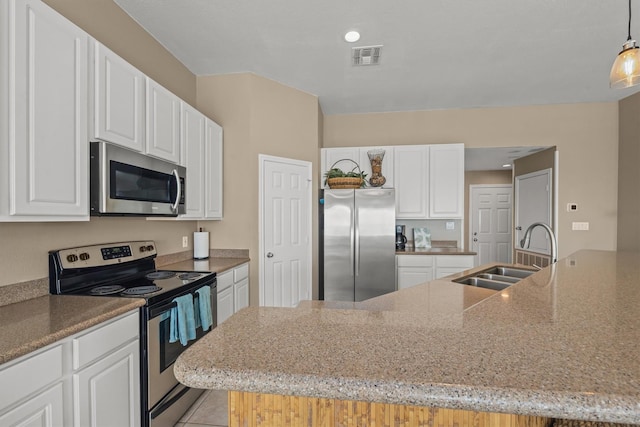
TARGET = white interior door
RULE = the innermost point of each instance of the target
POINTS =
(285, 231)
(490, 234)
(533, 204)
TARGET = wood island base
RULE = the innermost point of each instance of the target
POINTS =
(270, 410)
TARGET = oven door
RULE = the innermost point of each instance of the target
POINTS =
(167, 398)
(124, 182)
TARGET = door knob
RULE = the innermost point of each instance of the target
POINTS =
(518, 228)
(475, 233)
(269, 254)
(475, 240)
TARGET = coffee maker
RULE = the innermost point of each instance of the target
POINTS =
(401, 239)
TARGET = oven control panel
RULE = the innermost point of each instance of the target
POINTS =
(105, 254)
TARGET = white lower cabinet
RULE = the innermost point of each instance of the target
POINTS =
(416, 269)
(89, 379)
(233, 291)
(107, 393)
(452, 264)
(413, 270)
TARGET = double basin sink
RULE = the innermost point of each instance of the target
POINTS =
(496, 278)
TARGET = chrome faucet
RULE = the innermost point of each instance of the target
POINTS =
(526, 240)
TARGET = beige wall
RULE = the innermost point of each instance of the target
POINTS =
(111, 26)
(478, 178)
(23, 252)
(586, 136)
(259, 116)
(629, 175)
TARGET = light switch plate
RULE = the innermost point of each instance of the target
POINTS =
(450, 225)
(580, 226)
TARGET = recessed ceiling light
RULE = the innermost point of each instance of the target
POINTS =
(352, 36)
(506, 165)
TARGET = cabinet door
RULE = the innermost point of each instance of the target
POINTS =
(46, 409)
(225, 304)
(341, 158)
(446, 181)
(192, 127)
(48, 86)
(213, 170)
(118, 114)
(411, 276)
(107, 393)
(241, 295)
(411, 181)
(163, 122)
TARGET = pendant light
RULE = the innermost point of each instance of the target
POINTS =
(626, 68)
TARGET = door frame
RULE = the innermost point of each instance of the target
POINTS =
(472, 208)
(262, 159)
(549, 173)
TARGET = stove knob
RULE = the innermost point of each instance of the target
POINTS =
(143, 248)
(72, 258)
(150, 247)
(84, 256)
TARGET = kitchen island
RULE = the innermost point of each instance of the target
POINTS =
(561, 343)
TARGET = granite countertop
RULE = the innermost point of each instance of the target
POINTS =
(561, 343)
(37, 322)
(30, 318)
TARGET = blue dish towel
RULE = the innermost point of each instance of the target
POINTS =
(182, 322)
(204, 303)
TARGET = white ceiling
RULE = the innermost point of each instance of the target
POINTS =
(437, 54)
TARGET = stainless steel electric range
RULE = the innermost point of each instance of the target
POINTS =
(127, 270)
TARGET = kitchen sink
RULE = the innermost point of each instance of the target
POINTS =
(484, 283)
(496, 278)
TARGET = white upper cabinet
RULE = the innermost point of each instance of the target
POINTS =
(411, 181)
(213, 155)
(43, 115)
(446, 181)
(193, 142)
(332, 156)
(163, 122)
(201, 145)
(118, 104)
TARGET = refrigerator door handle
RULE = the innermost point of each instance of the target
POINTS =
(351, 246)
(357, 242)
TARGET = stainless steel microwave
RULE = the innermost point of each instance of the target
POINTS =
(125, 182)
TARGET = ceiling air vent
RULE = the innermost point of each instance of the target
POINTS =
(366, 55)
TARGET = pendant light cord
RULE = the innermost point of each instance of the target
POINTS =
(629, 31)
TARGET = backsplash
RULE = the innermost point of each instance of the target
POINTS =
(436, 227)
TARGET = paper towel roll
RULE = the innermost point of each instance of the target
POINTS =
(201, 244)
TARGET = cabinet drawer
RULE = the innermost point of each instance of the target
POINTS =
(415, 260)
(240, 273)
(95, 343)
(463, 261)
(224, 280)
(27, 376)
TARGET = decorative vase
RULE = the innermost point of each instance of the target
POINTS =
(375, 157)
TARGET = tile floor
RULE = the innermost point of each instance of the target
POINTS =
(210, 410)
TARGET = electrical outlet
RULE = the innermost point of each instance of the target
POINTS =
(450, 225)
(185, 241)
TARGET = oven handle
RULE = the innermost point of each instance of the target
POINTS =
(178, 191)
(156, 311)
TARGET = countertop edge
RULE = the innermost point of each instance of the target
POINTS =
(544, 403)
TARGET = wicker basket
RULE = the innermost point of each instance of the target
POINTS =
(346, 182)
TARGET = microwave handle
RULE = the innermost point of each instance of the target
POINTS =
(178, 192)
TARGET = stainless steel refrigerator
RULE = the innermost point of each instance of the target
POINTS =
(357, 244)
